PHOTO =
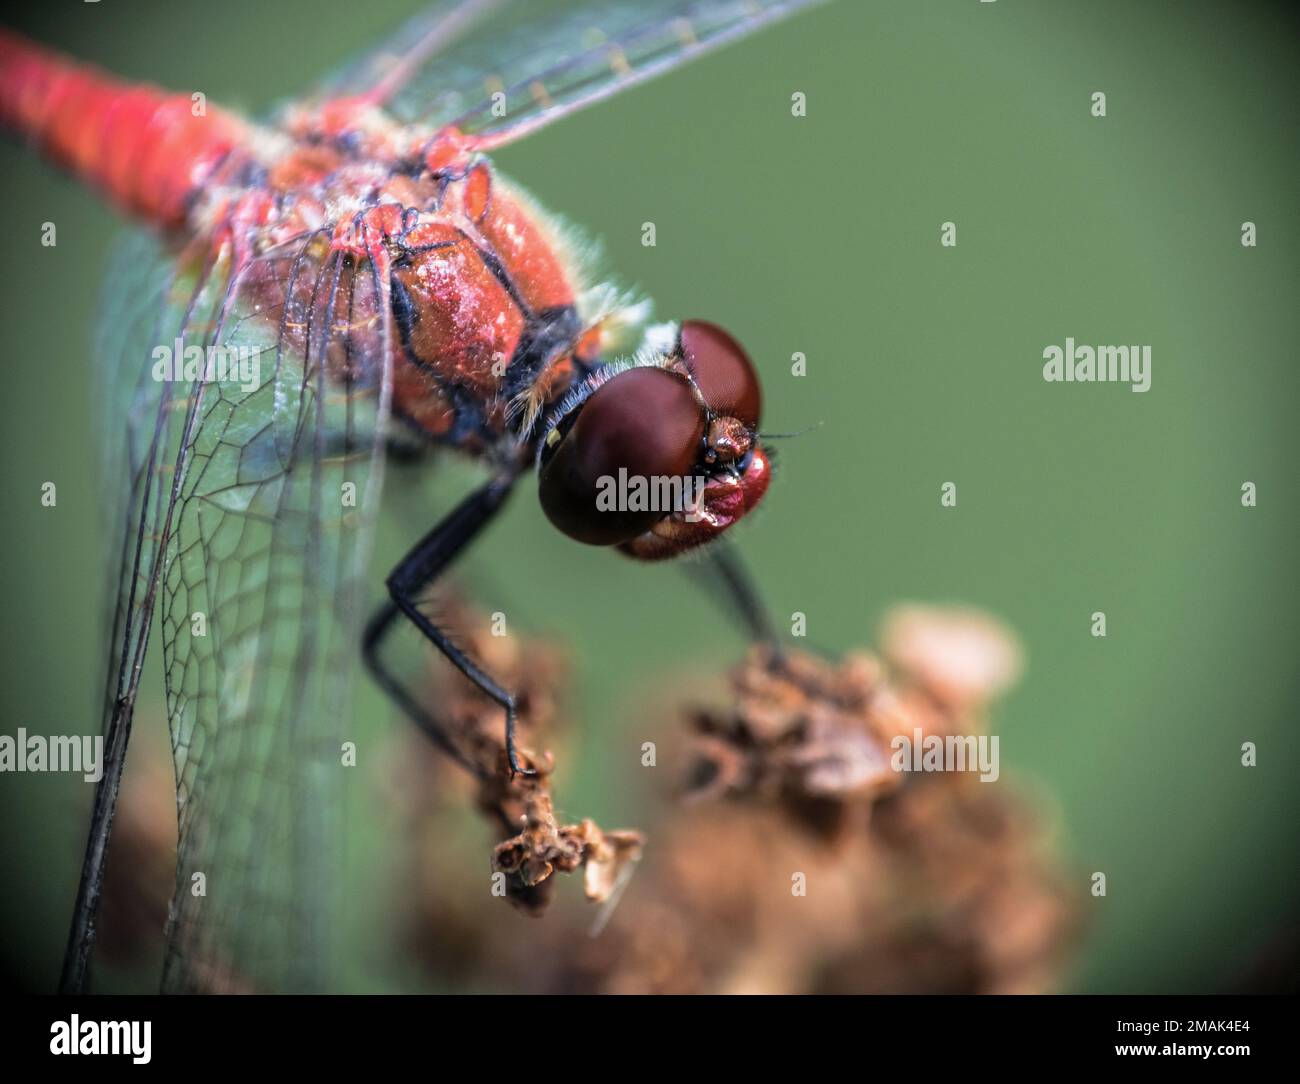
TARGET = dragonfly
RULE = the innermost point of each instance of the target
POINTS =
(348, 281)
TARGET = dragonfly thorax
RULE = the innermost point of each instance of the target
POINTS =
(467, 276)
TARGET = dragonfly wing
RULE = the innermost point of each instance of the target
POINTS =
(514, 68)
(269, 448)
(384, 68)
(133, 413)
(136, 421)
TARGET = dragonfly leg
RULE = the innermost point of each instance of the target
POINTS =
(377, 630)
(730, 574)
(413, 574)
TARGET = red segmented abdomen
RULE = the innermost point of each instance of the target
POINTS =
(144, 148)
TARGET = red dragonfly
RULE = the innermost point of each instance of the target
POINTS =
(351, 280)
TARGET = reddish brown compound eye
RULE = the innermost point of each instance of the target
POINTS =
(722, 371)
(642, 426)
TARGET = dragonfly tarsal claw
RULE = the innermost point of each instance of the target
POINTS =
(512, 750)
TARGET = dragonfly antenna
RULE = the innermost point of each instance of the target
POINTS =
(789, 436)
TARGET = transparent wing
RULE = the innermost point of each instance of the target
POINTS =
(504, 70)
(132, 412)
(251, 457)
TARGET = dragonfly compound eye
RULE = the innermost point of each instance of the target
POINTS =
(722, 371)
(610, 476)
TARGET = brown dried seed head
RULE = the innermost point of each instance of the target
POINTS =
(963, 658)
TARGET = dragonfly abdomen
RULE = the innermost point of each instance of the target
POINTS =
(147, 150)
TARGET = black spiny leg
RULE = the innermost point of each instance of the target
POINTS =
(726, 574)
(413, 574)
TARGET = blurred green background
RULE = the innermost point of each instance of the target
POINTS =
(821, 235)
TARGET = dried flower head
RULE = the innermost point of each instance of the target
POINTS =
(962, 658)
(536, 845)
(801, 732)
(915, 882)
(545, 847)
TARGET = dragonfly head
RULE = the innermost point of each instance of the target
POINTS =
(659, 458)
